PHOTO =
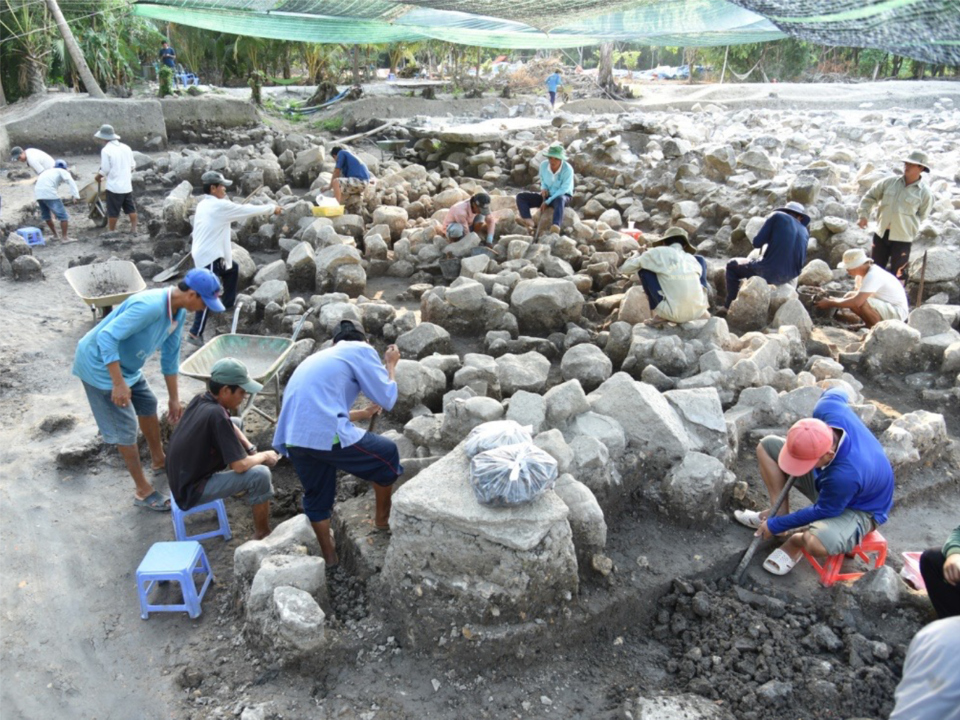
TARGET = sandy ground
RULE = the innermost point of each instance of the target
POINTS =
(74, 646)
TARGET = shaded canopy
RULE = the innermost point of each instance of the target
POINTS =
(927, 30)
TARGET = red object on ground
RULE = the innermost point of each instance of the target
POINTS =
(635, 234)
(830, 573)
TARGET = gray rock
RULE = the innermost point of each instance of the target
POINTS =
(300, 621)
(602, 427)
(586, 518)
(648, 421)
(15, 246)
(805, 189)
(425, 339)
(26, 268)
(528, 409)
(304, 572)
(816, 273)
(564, 402)
(552, 442)
(302, 267)
(177, 207)
(890, 347)
(694, 488)
(943, 265)
(393, 217)
(880, 589)
(350, 279)
(752, 306)
(247, 268)
(417, 384)
(528, 371)
(277, 270)
(545, 304)
(587, 364)
(461, 415)
(794, 313)
(291, 537)
(914, 437)
(272, 291)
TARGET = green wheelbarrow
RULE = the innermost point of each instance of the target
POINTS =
(264, 356)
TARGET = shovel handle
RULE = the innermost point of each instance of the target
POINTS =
(751, 551)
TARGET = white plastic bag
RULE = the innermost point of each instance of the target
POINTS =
(512, 474)
(494, 434)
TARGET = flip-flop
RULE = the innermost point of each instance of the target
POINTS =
(154, 501)
(194, 340)
(779, 562)
(749, 518)
(162, 470)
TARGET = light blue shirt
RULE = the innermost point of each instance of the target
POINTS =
(553, 82)
(133, 332)
(559, 184)
(321, 391)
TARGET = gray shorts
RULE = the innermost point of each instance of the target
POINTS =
(118, 425)
(839, 534)
(256, 482)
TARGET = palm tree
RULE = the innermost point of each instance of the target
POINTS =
(78, 60)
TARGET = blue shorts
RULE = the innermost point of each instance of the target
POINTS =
(118, 425)
(373, 458)
(52, 206)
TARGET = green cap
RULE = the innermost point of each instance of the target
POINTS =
(230, 371)
(556, 151)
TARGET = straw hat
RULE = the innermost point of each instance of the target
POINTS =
(853, 259)
(920, 158)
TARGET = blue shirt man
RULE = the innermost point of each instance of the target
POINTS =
(556, 188)
(553, 82)
(785, 236)
(316, 431)
(350, 177)
(841, 467)
(168, 56)
(109, 362)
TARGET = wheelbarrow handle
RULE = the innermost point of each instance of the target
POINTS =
(236, 319)
(303, 319)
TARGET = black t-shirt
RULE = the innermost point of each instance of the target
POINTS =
(203, 443)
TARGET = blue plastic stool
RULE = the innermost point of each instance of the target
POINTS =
(178, 561)
(32, 235)
(180, 530)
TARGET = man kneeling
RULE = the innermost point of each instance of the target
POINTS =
(840, 466)
(209, 456)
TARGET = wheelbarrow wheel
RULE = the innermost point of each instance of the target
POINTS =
(98, 213)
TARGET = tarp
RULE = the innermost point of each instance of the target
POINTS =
(927, 30)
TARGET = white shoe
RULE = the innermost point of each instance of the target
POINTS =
(748, 518)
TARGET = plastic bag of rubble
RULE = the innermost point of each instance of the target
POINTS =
(495, 434)
(512, 474)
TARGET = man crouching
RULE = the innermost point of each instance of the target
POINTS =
(209, 456)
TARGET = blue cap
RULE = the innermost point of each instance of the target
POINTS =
(62, 164)
(207, 286)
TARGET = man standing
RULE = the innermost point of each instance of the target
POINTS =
(470, 215)
(877, 294)
(905, 201)
(553, 82)
(674, 278)
(209, 457)
(785, 235)
(211, 248)
(315, 428)
(556, 189)
(168, 56)
(840, 466)
(38, 160)
(110, 359)
(116, 166)
(46, 192)
(350, 177)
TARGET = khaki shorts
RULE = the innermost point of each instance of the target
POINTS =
(839, 534)
(886, 310)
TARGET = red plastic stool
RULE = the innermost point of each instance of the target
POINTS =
(830, 573)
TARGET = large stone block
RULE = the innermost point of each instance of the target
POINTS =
(545, 304)
(292, 537)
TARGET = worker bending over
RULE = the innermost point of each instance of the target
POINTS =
(47, 194)
(674, 278)
(877, 294)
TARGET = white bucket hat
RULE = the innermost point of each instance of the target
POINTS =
(920, 158)
(106, 133)
(853, 259)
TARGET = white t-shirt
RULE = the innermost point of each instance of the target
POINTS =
(211, 229)
(49, 182)
(116, 165)
(38, 160)
(886, 287)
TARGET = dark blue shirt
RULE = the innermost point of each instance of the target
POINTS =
(859, 477)
(350, 166)
(786, 240)
(168, 57)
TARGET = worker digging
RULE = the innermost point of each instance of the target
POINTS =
(642, 404)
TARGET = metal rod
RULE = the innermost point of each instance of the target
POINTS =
(751, 551)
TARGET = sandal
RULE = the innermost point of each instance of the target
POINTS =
(154, 501)
(779, 563)
(194, 340)
(157, 471)
(748, 518)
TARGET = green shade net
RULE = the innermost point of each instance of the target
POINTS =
(924, 29)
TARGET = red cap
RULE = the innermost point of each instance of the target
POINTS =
(808, 441)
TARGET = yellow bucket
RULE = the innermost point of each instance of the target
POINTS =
(329, 211)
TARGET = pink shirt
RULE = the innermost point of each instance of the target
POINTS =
(461, 213)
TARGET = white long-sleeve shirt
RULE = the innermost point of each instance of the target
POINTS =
(116, 165)
(684, 298)
(38, 160)
(211, 229)
(49, 183)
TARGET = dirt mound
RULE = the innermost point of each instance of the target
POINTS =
(765, 658)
